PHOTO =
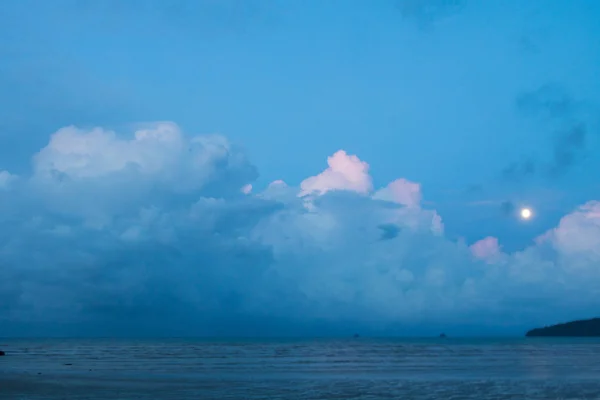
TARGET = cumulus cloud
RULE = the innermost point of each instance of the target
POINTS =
(158, 153)
(401, 191)
(486, 249)
(152, 232)
(98, 175)
(578, 234)
(344, 172)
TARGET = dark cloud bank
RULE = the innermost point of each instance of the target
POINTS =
(149, 234)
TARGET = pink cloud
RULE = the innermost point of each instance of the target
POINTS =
(401, 191)
(246, 189)
(486, 249)
(345, 172)
(277, 183)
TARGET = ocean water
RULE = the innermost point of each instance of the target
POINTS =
(362, 368)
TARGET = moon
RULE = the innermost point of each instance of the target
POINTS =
(526, 213)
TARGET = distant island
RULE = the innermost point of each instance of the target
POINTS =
(580, 328)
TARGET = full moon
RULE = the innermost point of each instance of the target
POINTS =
(525, 213)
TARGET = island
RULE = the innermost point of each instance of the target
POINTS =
(579, 328)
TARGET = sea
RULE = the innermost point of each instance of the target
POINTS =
(347, 368)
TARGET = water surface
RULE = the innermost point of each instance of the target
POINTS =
(532, 368)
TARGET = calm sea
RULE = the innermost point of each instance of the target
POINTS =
(360, 368)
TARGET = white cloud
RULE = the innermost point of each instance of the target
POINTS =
(579, 232)
(154, 227)
(159, 153)
(98, 174)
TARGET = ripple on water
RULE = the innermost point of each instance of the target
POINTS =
(319, 369)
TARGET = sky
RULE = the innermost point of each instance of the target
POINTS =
(229, 167)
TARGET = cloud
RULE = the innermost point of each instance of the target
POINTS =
(486, 249)
(150, 233)
(553, 103)
(97, 174)
(6, 179)
(578, 234)
(555, 107)
(389, 231)
(401, 191)
(507, 207)
(426, 12)
(569, 144)
(156, 153)
(247, 188)
(207, 16)
(516, 171)
(344, 172)
(549, 100)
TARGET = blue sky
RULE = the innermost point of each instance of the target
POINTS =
(486, 105)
